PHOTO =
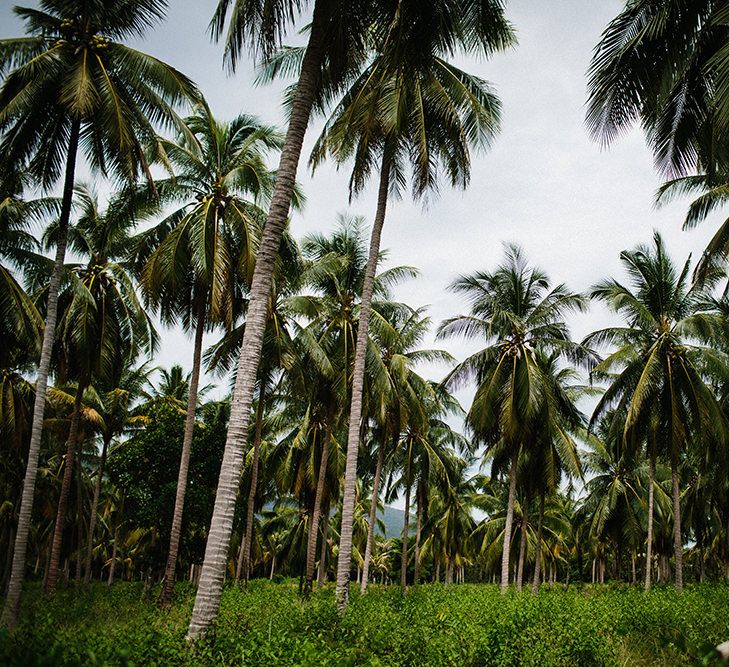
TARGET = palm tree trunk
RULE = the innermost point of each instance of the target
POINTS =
(17, 573)
(677, 541)
(207, 600)
(373, 516)
(239, 563)
(79, 520)
(405, 532)
(355, 410)
(322, 576)
(418, 528)
(649, 538)
(165, 596)
(253, 490)
(117, 533)
(52, 580)
(316, 512)
(94, 508)
(507, 527)
(538, 549)
(522, 549)
(273, 565)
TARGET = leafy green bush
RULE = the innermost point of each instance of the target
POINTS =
(432, 624)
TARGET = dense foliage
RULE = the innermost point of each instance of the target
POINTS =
(434, 625)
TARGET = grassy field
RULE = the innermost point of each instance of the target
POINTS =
(430, 625)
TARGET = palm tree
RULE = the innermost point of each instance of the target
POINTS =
(661, 64)
(196, 262)
(399, 350)
(658, 369)
(409, 105)
(102, 323)
(72, 83)
(522, 317)
(338, 36)
(115, 408)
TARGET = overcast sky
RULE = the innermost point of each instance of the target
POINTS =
(545, 185)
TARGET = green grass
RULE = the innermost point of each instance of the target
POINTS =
(431, 625)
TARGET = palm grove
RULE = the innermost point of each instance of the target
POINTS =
(109, 474)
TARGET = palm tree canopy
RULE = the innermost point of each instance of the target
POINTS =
(73, 68)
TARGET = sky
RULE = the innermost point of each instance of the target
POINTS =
(545, 184)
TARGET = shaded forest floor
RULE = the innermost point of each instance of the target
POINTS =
(430, 625)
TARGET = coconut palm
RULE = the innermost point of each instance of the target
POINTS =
(196, 263)
(658, 368)
(101, 324)
(409, 107)
(521, 316)
(72, 84)
(336, 44)
(663, 65)
(117, 398)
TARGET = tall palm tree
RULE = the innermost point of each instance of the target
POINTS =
(521, 316)
(101, 324)
(409, 107)
(117, 397)
(70, 84)
(196, 263)
(659, 366)
(663, 65)
(337, 41)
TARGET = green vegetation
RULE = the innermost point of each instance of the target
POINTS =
(433, 625)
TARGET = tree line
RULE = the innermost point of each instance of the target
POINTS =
(323, 361)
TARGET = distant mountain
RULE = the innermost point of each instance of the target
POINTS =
(393, 519)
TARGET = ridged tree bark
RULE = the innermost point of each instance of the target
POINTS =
(322, 576)
(316, 512)
(538, 549)
(419, 500)
(250, 508)
(94, 509)
(212, 576)
(344, 561)
(17, 572)
(53, 568)
(405, 535)
(522, 547)
(507, 527)
(168, 585)
(373, 517)
(649, 538)
(677, 541)
(79, 520)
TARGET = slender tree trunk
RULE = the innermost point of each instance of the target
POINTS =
(649, 538)
(437, 571)
(355, 411)
(253, 490)
(322, 576)
(57, 542)
(405, 531)
(677, 541)
(94, 508)
(273, 565)
(373, 516)
(17, 573)
(117, 533)
(165, 596)
(316, 513)
(448, 573)
(633, 575)
(522, 547)
(239, 563)
(207, 600)
(418, 528)
(507, 528)
(79, 520)
(538, 554)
